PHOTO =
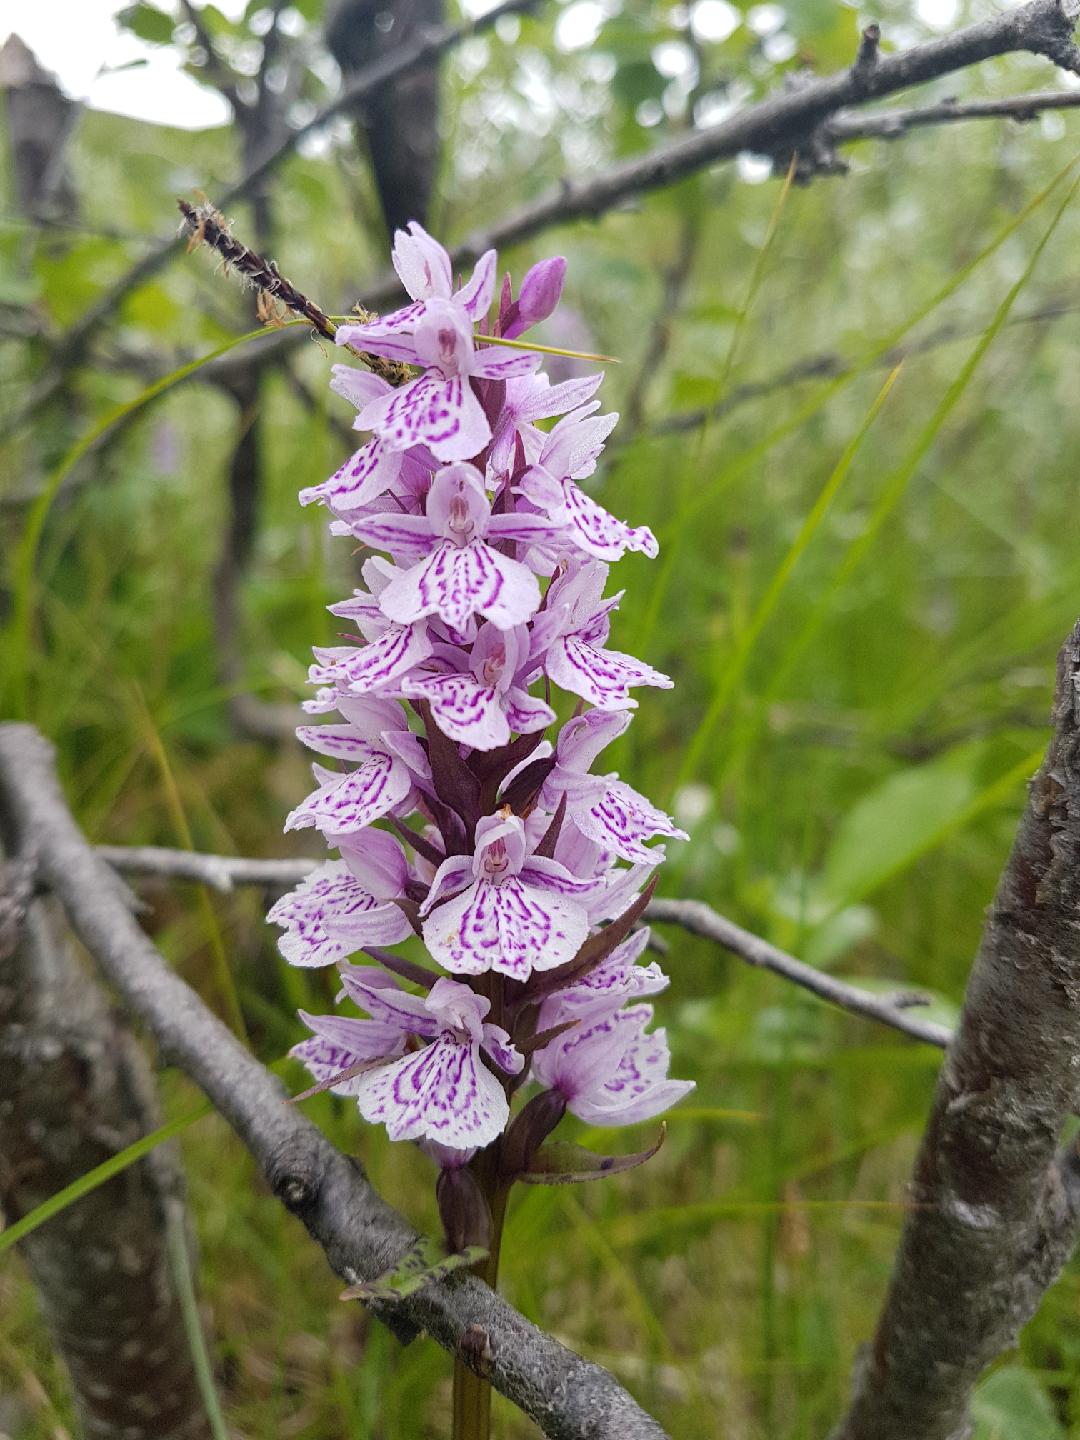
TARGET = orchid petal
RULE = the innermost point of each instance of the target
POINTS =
(400, 649)
(508, 927)
(357, 386)
(602, 677)
(423, 266)
(441, 1093)
(349, 802)
(493, 364)
(476, 294)
(457, 582)
(365, 476)
(442, 414)
(331, 891)
(619, 819)
(339, 1044)
(468, 712)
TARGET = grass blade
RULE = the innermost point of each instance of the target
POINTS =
(26, 551)
(898, 481)
(114, 1165)
(733, 671)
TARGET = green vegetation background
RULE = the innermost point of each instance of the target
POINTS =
(863, 658)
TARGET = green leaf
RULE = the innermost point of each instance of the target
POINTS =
(897, 819)
(148, 23)
(563, 1163)
(911, 814)
(98, 1176)
(424, 1264)
(1012, 1405)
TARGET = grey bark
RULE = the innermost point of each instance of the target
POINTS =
(569, 1398)
(75, 1090)
(996, 1204)
(400, 123)
(39, 122)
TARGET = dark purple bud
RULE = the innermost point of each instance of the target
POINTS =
(529, 1131)
(540, 292)
(463, 1210)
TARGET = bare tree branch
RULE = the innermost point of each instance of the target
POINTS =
(425, 48)
(569, 1398)
(220, 872)
(996, 1205)
(218, 71)
(891, 124)
(788, 118)
(701, 919)
(828, 365)
(225, 872)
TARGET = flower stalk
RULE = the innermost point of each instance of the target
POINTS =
(522, 868)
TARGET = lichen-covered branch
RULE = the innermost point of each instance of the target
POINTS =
(996, 1202)
(569, 1398)
(788, 119)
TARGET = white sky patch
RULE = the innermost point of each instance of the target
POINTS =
(579, 25)
(753, 169)
(765, 19)
(940, 14)
(79, 42)
(713, 21)
(778, 48)
(673, 58)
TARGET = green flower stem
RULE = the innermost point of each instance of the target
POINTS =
(472, 1395)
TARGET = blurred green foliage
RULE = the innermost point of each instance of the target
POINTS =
(853, 794)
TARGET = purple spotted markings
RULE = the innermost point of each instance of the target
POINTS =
(471, 826)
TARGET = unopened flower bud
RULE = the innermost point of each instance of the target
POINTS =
(463, 1210)
(541, 290)
(529, 1131)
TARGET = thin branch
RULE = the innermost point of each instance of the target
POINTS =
(218, 71)
(701, 919)
(996, 1204)
(662, 330)
(828, 365)
(225, 872)
(220, 872)
(207, 226)
(569, 1398)
(891, 124)
(789, 117)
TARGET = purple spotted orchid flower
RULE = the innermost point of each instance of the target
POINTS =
(460, 827)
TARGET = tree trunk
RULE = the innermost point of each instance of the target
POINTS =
(76, 1089)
